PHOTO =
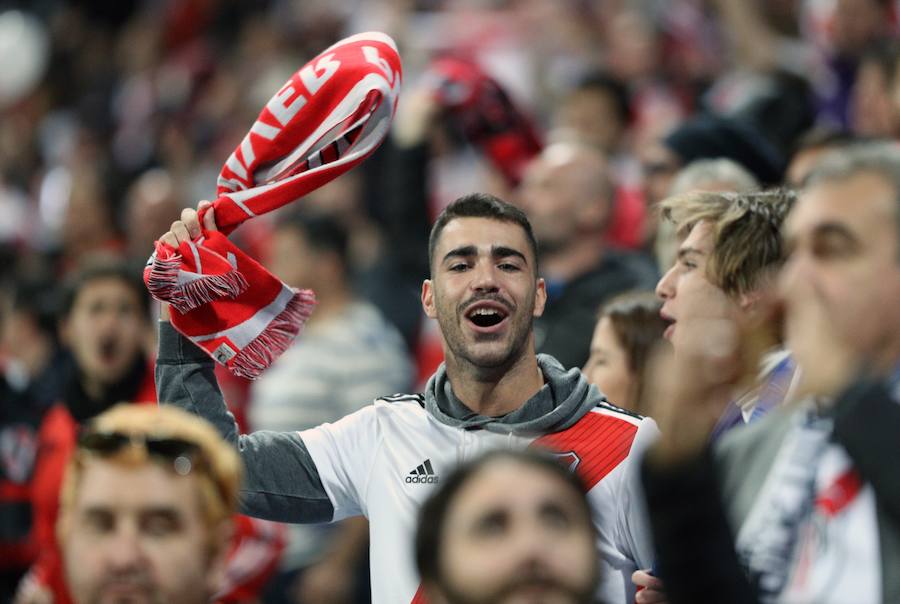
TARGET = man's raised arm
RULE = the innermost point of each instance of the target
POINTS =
(281, 481)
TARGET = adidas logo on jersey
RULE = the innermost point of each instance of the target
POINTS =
(424, 474)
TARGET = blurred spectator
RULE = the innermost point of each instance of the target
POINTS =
(730, 250)
(104, 323)
(506, 526)
(629, 328)
(704, 137)
(146, 508)
(87, 229)
(874, 106)
(30, 382)
(699, 175)
(810, 148)
(803, 506)
(596, 111)
(835, 36)
(153, 203)
(567, 194)
(348, 356)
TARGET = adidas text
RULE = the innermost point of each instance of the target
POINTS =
(421, 479)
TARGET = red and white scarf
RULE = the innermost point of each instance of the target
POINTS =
(331, 115)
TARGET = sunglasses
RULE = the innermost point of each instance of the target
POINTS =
(183, 454)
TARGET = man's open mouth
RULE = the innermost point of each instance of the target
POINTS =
(485, 315)
(670, 325)
(109, 349)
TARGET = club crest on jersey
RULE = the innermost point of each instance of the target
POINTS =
(569, 459)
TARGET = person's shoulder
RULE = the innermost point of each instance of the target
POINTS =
(744, 457)
(608, 409)
(747, 442)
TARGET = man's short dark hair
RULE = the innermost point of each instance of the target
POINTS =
(605, 83)
(433, 513)
(481, 205)
(323, 232)
(94, 270)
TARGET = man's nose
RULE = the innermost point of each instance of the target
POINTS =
(484, 277)
(665, 289)
(125, 550)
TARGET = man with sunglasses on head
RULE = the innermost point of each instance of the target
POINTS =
(146, 508)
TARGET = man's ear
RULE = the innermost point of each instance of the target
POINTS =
(540, 297)
(428, 299)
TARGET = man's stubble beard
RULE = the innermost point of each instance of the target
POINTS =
(520, 328)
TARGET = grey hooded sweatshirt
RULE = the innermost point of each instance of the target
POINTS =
(282, 482)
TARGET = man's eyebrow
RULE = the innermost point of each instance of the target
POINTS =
(687, 251)
(497, 251)
(501, 251)
(464, 251)
(834, 228)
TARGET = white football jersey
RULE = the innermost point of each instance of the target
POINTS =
(384, 460)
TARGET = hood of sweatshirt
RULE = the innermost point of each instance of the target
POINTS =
(563, 399)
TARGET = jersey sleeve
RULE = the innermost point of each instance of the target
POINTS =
(343, 453)
(281, 481)
(633, 534)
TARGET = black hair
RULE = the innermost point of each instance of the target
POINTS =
(323, 232)
(433, 513)
(481, 205)
(601, 81)
(39, 298)
(126, 272)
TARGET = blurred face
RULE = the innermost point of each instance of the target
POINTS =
(516, 534)
(841, 282)
(659, 166)
(556, 195)
(105, 329)
(856, 23)
(607, 367)
(871, 108)
(551, 204)
(688, 294)
(136, 534)
(484, 293)
(291, 259)
(593, 117)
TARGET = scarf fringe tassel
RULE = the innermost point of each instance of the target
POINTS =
(163, 285)
(278, 335)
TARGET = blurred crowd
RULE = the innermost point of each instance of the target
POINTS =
(114, 117)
